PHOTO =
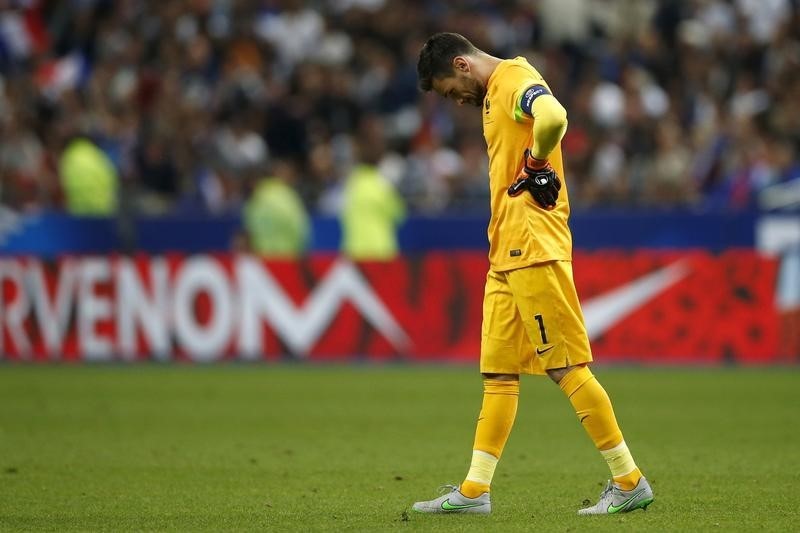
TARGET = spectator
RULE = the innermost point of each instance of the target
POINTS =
(22, 165)
(371, 209)
(190, 99)
(670, 180)
(89, 179)
(275, 218)
(159, 174)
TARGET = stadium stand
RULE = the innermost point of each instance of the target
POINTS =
(687, 103)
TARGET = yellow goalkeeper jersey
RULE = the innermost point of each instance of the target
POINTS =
(520, 232)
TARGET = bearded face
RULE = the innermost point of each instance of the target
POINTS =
(462, 88)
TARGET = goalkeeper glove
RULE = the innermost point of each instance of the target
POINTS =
(538, 178)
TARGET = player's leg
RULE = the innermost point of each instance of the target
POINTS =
(498, 411)
(596, 414)
(546, 293)
(501, 343)
(629, 489)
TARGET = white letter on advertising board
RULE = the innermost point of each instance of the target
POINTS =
(53, 317)
(14, 315)
(300, 327)
(203, 342)
(138, 307)
(93, 308)
(256, 288)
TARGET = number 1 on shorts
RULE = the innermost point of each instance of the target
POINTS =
(540, 320)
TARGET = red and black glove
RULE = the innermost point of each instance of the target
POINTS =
(538, 178)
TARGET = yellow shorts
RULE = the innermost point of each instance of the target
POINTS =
(532, 321)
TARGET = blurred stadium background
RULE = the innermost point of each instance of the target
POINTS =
(220, 180)
(153, 142)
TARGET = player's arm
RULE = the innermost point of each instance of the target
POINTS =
(549, 126)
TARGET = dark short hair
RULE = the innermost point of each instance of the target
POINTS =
(436, 57)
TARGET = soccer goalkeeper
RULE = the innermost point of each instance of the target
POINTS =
(532, 320)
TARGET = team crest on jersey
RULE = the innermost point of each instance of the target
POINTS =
(486, 105)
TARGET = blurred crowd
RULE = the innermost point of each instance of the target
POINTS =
(187, 105)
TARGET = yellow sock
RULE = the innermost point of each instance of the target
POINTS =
(594, 410)
(479, 477)
(499, 409)
(629, 480)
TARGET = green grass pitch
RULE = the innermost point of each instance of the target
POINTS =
(349, 448)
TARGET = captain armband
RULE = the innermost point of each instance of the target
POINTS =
(531, 93)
